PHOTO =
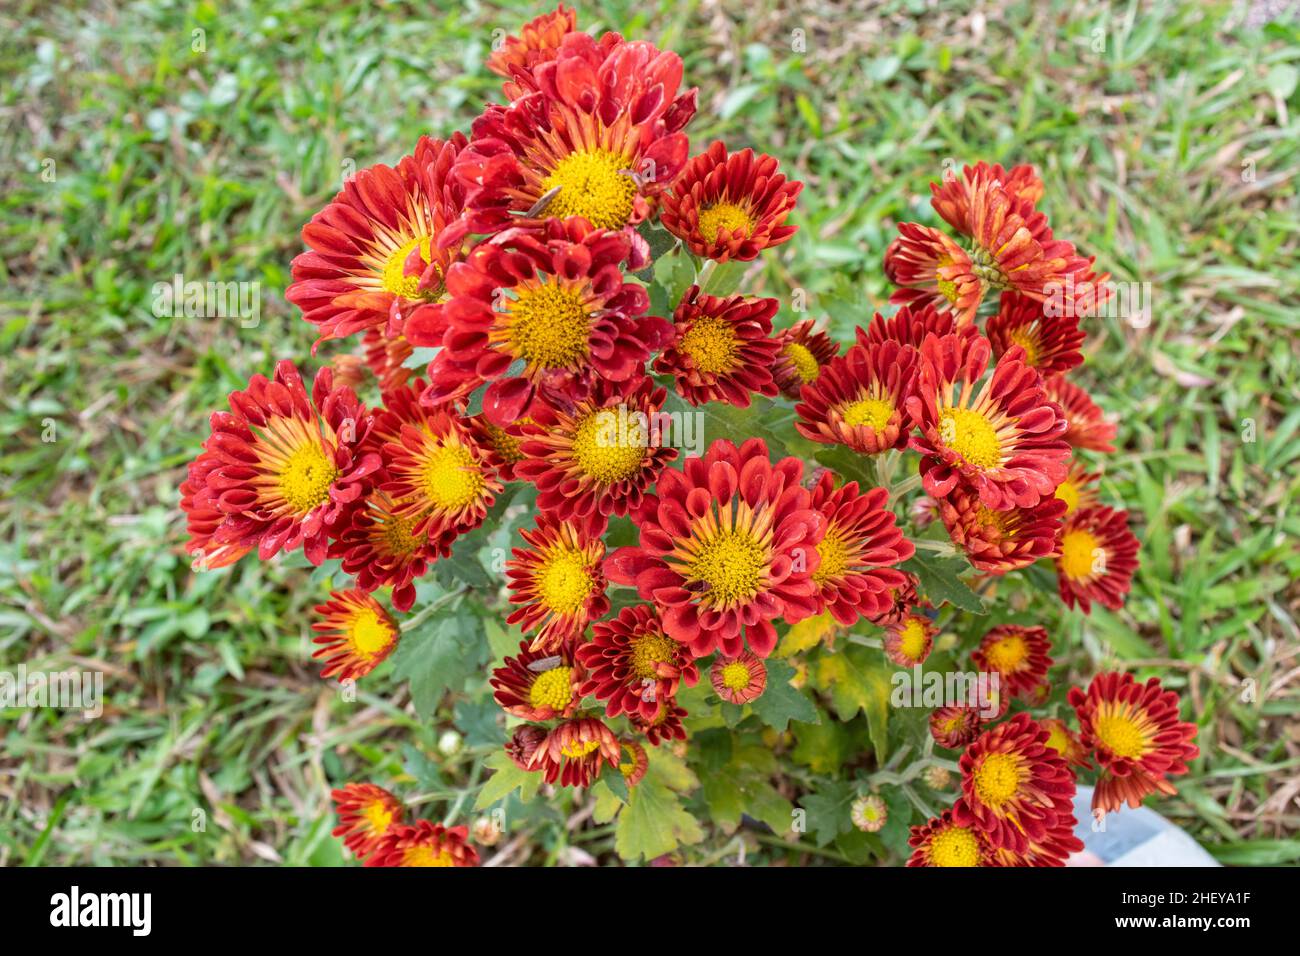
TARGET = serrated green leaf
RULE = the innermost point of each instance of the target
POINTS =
(940, 581)
(857, 678)
(828, 810)
(506, 779)
(439, 656)
(653, 823)
(780, 703)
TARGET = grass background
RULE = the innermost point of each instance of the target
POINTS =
(1165, 134)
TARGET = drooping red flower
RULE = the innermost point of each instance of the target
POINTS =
(727, 546)
(860, 399)
(1002, 437)
(1086, 426)
(538, 685)
(1051, 343)
(378, 548)
(366, 813)
(804, 350)
(545, 306)
(1014, 786)
(955, 725)
(720, 350)
(909, 642)
(573, 752)
(356, 634)
(424, 844)
(1079, 489)
(538, 41)
(632, 664)
(279, 469)
(556, 581)
(1134, 731)
(943, 841)
(902, 600)
(666, 724)
(728, 207)
(1020, 655)
(375, 250)
(932, 270)
(1052, 848)
(739, 680)
(855, 569)
(1096, 558)
(635, 762)
(1000, 541)
(597, 457)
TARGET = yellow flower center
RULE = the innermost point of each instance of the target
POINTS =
(1007, 654)
(506, 445)
(306, 476)
(604, 454)
(1027, 341)
(1121, 735)
(834, 554)
(451, 478)
(911, 639)
(872, 412)
(377, 816)
(576, 749)
(997, 779)
(553, 689)
(731, 566)
(970, 434)
(563, 581)
(712, 344)
(735, 676)
(1068, 492)
(724, 215)
(369, 633)
(650, 650)
(395, 533)
(804, 362)
(1057, 739)
(394, 279)
(550, 326)
(954, 846)
(425, 856)
(593, 185)
(1079, 554)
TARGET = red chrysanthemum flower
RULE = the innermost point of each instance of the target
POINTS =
(386, 356)
(557, 581)
(1079, 489)
(1020, 655)
(902, 600)
(598, 457)
(720, 350)
(424, 844)
(932, 270)
(1096, 559)
(804, 350)
(1053, 848)
(955, 726)
(539, 41)
(546, 306)
(1086, 427)
(1134, 731)
(1051, 343)
(910, 325)
(632, 664)
(954, 198)
(944, 842)
(909, 642)
(375, 249)
(1066, 743)
(598, 136)
(1002, 438)
(1015, 786)
(1000, 541)
(739, 680)
(349, 371)
(726, 547)
(536, 685)
(366, 813)
(281, 468)
(635, 762)
(502, 446)
(860, 399)
(572, 753)
(523, 744)
(730, 206)
(855, 573)
(355, 633)
(666, 724)
(377, 546)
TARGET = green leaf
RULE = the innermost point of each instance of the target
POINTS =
(614, 781)
(506, 780)
(857, 678)
(780, 703)
(725, 278)
(439, 656)
(822, 747)
(940, 580)
(848, 464)
(479, 722)
(828, 810)
(676, 273)
(607, 805)
(653, 823)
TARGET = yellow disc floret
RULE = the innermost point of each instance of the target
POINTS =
(804, 362)
(552, 688)
(724, 215)
(875, 413)
(712, 344)
(595, 184)
(564, 581)
(650, 650)
(605, 452)
(833, 552)
(735, 676)
(731, 565)
(394, 279)
(954, 846)
(550, 325)
(1080, 554)
(970, 434)
(1121, 734)
(368, 632)
(451, 477)
(997, 778)
(305, 477)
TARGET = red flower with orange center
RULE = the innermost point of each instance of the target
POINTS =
(632, 664)
(720, 351)
(355, 633)
(933, 271)
(739, 680)
(1134, 731)
(538, 42)
(536, 685)
(1002, 438)
(573, 752)
(855, 572)
(726, 547)
(945, 842)
(424, 844)
(1015, 786)
(1020, 655)
(1066, 743)
(666, 724)
(597, 457)
(955, 726)
(546, 306)
(1097, 555)
(375, 249)
(1086, 427)
(378, 547)
(1000, 541)
(1051, 343)
(804, 350)
(366, 812)
(909, 642)
(557, 582)
(280, 468)
(1078, 490)
(730, 206)
(860, 399)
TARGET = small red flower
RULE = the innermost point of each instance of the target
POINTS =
(1020, 655)
(356, 634)
(1000, 541)
(366, 813)
(424, 844)
(539, 41)
(909, 642)
(557, 582)
(1079, 489)
(955, 726)
(633, 665)
(573, 752)
(860, 399)
(535, 685)
(1086, 427)
(377, 546)
(1051, 343)
(1096, 559)
(635, 762)
(945, 842)
(805, 349)
(739, 680)
(665, 725)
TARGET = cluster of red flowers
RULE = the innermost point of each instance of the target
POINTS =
(513, 253)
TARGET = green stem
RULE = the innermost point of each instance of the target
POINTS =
(422, 615)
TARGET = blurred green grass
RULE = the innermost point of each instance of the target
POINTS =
(1171, 154)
